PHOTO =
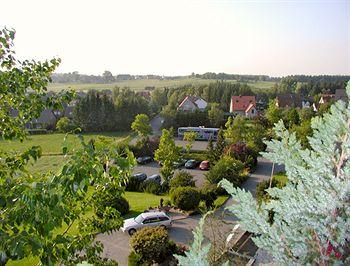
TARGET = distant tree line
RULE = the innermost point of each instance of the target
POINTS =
(242, 78)
(100, 112)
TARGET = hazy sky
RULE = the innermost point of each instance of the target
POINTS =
(181, 37)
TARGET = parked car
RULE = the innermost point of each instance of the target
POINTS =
(140, 176)
(144, 159)
(190, 164)
(146, 219)
(155, 178)
(204, 165)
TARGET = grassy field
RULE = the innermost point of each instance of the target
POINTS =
(52, 143)
(141, 84)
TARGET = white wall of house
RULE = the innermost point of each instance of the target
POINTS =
(251, 113)
(188, 106)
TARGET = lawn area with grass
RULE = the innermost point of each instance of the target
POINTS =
(52, 143)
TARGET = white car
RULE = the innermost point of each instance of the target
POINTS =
(146, 219)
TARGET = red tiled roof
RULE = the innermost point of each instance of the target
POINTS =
(241, 103)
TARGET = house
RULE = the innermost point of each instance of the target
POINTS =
(239, 104)
(192, 103)
(251, 111)
(289, 100)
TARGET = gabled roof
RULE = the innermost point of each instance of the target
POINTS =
(192, 99)
(241, 103)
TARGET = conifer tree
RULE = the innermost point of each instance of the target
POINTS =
(311, 223)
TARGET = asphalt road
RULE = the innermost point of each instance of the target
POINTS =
(153, 168)
(116, 245)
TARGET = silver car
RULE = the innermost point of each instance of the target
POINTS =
(146, 219)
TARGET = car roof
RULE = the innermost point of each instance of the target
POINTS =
(152, 214)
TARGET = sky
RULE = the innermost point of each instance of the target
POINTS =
(178, 37)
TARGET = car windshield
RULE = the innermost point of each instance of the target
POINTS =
(139, 219)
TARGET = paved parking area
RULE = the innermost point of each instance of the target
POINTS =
(117, 244)
(153, 168)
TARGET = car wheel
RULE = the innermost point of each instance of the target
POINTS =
(131, 232)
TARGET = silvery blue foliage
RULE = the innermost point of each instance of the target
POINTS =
(311, 221)
(198, 254)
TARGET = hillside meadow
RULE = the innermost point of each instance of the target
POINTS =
(142, 83)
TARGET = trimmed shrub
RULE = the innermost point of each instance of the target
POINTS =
(228, 168)
(150, 244)
(110, 197)
(182, 179)
(145, 147)
(185, 198)
(209, 195)
(152, 187)
(133, 184)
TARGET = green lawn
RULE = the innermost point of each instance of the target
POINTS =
(52, 143)
(141, 84)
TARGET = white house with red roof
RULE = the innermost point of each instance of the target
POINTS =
(192, 103)
(244, 105)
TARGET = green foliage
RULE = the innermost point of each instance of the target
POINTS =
(38, 211)
(303, 132)
(185, 198)
(273, 113)
(198, 254)
(150, 244)
(182, 179)
(141, 125)
(208, 195)
(236, 129)
(152, 187)
(133, 184)
(311, 211)
(291, 118)
(262, 194)
(110, 196)
(215, 153)
(216, 115)
(167, 153)
(65, 125)
(242, 152)
(190, 137)
(135, 259)
(17, 78)
(226, 168)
